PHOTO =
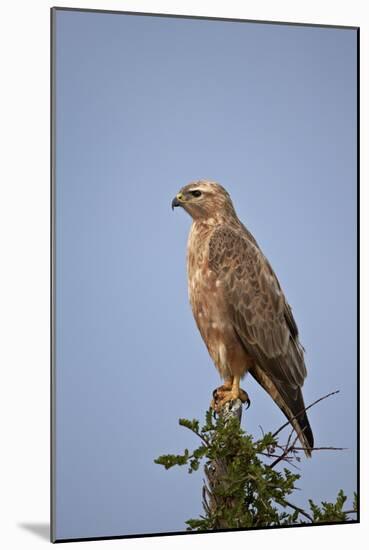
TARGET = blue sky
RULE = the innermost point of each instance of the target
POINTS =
(144, 105)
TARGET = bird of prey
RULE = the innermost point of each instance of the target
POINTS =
(240, 308)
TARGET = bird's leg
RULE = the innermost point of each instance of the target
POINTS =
(230, 393)
(235, 391)
(227, 386)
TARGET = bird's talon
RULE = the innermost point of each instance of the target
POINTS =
(244, 397)
(223, 395)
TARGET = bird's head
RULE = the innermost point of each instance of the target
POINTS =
(204, 200)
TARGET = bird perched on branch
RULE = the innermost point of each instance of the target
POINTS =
(240, 308)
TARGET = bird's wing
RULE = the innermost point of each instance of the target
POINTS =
(260, 316)
(258, 309)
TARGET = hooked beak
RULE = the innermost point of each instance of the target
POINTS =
(177, 201)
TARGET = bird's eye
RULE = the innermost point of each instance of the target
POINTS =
(196, 193)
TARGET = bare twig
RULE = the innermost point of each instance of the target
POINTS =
(269, 455)
(284, 454)
(289, 439)
(304, 410)
(320, 448)
(202, 437)
(300, 510)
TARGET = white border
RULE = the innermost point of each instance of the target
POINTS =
(24, 272)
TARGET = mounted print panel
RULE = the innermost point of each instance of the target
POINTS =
(204, 274)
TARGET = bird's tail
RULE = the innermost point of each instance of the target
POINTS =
(291, 404)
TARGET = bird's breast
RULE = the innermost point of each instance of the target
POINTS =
(205, 291)
(202, 281)
(210, 308)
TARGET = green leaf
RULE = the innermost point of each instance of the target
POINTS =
(192, 425)
(243, 491)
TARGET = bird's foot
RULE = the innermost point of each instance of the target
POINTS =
(219, 394)
(225, 394)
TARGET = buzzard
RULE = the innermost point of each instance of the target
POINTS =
(240, 308)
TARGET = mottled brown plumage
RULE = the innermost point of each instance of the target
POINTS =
(239, 306)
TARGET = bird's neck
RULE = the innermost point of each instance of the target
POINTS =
(214, 220)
